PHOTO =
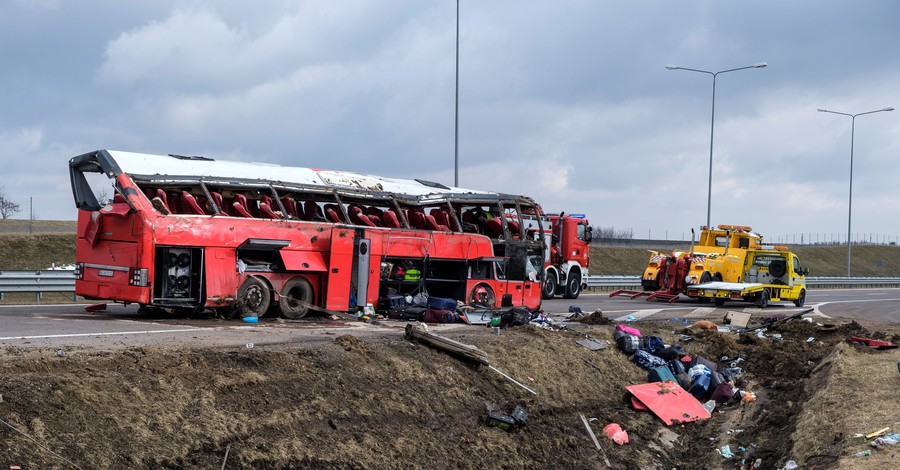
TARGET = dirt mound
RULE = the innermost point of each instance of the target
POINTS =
(595, 318)
(386, 402)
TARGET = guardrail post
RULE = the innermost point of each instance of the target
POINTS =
(1, 295)
(37, 297)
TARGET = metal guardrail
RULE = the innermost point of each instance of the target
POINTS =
(610, 281)
(39, 282)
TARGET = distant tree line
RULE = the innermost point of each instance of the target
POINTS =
(610, 233)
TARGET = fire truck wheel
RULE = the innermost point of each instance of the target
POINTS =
(549, 286)
(253, 298)
(573, 286)
(763, 300)
(482, 294)
(801, 299)
(296, 295)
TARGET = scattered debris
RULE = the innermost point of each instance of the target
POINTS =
(593, 344)
(739, 319)
(725, 451)
(615, 432)
(95, 308)
(877, 433)
(669, 402)
(873, 343)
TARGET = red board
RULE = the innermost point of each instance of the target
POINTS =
(669, 402)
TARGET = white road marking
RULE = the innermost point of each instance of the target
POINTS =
(640, 314)
(110, 333)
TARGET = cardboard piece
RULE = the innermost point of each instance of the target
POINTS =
(669, 402)
(740, 319)
(593, 344)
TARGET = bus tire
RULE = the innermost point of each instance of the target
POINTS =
(482, 294)
(296, 295)
(801, 299)
(573, 285)
(253, 298)
(549, 288)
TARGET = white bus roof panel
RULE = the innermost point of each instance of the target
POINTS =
(164, 165)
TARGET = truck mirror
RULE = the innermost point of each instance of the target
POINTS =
(589, 234)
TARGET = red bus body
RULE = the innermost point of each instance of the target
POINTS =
(193, 233)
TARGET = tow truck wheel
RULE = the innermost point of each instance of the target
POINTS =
(705, 277)
(253, 298)
(763, 300)
(573, 286)
(703, 300)
(717, 277)
(719, 301)
(549, 286)
(801, 299)
(296, 295)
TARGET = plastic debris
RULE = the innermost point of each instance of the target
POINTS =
(789, 465)
(888, 439)
(249, 345)
(251, 319)
(710, 405)
(810, 339)
(747, 397)
(630, 318)
(615, 432)
(725, 451)
(863, 453)
(808, 319)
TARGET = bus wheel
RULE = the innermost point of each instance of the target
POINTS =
(296, 295)
(482, 294)
(573, 286)
(549, 286)
(253, 298)
(801, 299)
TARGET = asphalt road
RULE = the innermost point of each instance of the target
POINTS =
(69, 326)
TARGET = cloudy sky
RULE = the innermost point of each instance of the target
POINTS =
(568, 102)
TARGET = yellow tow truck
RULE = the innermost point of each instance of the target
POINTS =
(764, 275)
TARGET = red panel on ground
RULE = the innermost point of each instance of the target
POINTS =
(669, 402)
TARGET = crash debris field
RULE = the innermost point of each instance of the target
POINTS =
(385, 401)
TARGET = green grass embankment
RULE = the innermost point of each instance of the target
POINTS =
(38, 251)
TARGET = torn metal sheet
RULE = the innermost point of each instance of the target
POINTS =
(669, 402)
(593, 344)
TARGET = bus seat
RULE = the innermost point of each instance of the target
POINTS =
(376, 220)
(372, 210)
(390, 219)
(513, 228)
(164, 199)
(190, 205)
(240, 205)
(432, 224)
(217, 198)
(494, 228)
(332, 215)
(312, 210)
(267, 211)
(440, 216)
(290, 205)
(416, 219)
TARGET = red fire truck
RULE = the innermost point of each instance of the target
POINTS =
(568, 254)
(189, 232)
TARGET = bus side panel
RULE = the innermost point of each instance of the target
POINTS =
(221, 276)
(340, 269)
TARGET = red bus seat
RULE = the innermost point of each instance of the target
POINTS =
(333, 216)
(494, 228)
(217, 198)
(513, 228)
(312, 210)
(290, 205)
(390, 219)
(416, 219)
(240, 205)
(190, 204)
(267, 211)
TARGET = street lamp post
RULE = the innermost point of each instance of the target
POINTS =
(850, 202)
(712, 125)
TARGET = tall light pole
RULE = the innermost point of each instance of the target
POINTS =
(850, 202)
(456, 118)
(712, 125)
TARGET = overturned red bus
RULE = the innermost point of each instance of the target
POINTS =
(189, 233)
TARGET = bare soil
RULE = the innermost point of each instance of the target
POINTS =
(382, 401)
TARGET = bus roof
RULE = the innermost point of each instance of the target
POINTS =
(148, 166)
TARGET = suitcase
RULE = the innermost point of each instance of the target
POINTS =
(389, 302)
(684, 380)
(676, 366)
(439, 303)
(433, 315)
(660, 374)
(706, 362)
